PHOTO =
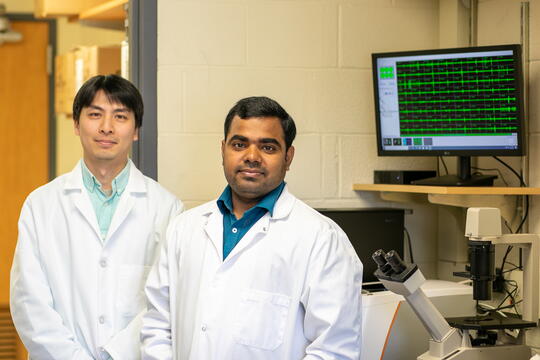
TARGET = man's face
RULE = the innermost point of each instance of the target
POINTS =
(254, 157)
(106, 129)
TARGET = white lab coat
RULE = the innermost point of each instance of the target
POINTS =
(290, 289)
(74, 294)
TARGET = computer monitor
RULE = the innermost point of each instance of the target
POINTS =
(463, 102)
(370, 229)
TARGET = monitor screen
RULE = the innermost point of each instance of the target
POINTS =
(463, 102)
(370, 229)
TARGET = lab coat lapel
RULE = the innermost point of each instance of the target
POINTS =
(74, 189)
(256, 232)
(214, 229)
(282, 209)
(136, 185)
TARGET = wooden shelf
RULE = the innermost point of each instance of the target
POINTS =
(112, 10)
(448, 190)
(464, 197)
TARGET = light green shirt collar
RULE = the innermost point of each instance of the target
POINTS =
(118, 185)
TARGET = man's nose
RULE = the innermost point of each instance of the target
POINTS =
(106, 126)
(253, 154)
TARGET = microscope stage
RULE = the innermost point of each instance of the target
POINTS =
(489, 322)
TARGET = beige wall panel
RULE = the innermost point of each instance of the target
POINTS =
(200, 32)
(211, 92)
(534, 160)
(289, 33)
(499, 22)
(170, 100)
(304, 178)
(190, 166)
(358, 160)
(375, 26)
(330, 166)
(534, 96)
(344, 101)
(534, 33)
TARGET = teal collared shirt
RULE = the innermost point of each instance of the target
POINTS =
(104, 205)
(234, 229)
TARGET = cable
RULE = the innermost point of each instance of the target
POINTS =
(444, 164)
(521, 182)
(525, 215)
(410, 244)
(494, 169)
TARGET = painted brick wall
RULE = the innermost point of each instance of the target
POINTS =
(313, 57)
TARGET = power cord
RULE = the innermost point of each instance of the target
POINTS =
(511, 293)
(409, 244)
(444, 164)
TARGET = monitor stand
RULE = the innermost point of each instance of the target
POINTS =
(464, 177)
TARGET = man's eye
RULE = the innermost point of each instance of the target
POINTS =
(121, 117)
(269, 148)
(94, 114)
(238, 145)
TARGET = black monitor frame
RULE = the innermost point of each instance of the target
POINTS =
(520, 151)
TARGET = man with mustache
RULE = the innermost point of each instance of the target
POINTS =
(88, 238)
(257, 274)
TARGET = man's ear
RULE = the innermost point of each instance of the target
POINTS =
(289, 157)
(222, 150)
(136, 135)
(76, 127)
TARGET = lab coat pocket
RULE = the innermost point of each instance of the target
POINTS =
(261, 319)
(131, 280)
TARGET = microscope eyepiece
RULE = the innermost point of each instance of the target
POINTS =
(393, 258)
(379, 257)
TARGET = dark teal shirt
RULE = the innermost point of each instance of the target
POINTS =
(234, 229)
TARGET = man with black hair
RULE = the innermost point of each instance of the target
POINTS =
(88, 238)
(255, 274)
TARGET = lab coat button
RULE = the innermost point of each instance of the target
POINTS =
(234, 230)
(102, 319)
(203, 328)
(103, 263)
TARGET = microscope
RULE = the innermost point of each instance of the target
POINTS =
(479, 337)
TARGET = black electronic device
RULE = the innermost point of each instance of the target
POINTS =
(450, 102)
(370, 229)
(401, 176)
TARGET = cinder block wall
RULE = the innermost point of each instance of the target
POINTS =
(311, 56)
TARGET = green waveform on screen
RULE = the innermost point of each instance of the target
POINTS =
(410, 84)
(464, 128)
(417, 64)
(458, 134)
(509, 108)
(507, 99)
(507, 70)
(434, 92)
(462, 119)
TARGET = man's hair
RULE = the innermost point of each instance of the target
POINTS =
(117, 89)
(261, 106)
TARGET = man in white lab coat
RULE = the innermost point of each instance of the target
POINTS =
(88, 238)
(257, 274)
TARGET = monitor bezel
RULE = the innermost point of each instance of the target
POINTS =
(520, 151)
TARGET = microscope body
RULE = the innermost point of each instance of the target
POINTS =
(452, 340)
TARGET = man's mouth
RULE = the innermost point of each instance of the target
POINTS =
(251, 172)
(106, 143)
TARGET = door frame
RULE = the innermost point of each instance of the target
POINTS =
(51, 70)
(142, 35)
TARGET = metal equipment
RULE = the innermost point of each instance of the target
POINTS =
(480, 337)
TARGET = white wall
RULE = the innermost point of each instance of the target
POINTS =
(313, 57)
